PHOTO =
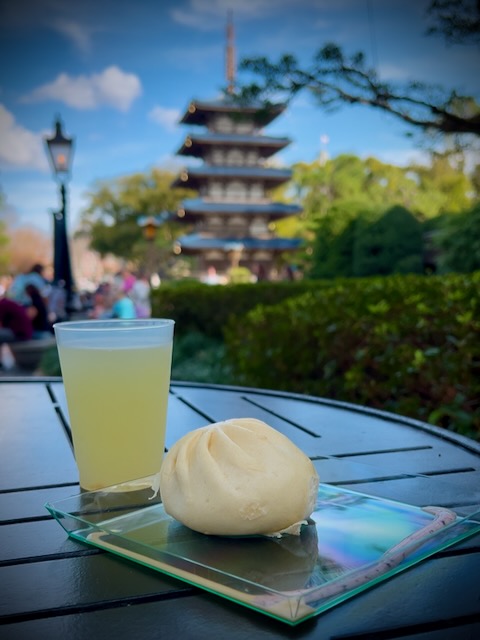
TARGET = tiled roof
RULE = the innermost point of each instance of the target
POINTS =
(199, 111)
(197, 243)
(192, 177)
(198, 205)
(195, 144)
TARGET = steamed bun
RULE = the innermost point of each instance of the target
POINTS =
(238, 477)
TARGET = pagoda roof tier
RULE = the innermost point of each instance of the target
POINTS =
(193, 177)
(273, 210)
(196, 243)
(199, 112)
(197, 144)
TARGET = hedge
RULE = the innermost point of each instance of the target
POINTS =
(206, 309)
(407, 344)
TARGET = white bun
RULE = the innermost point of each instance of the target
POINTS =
(238, 477)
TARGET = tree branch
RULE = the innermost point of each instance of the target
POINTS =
(335, 81)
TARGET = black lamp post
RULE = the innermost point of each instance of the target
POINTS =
(150, 225)
(60, 152)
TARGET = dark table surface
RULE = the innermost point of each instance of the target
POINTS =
(52, 586)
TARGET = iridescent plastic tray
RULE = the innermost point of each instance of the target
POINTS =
(352, 542)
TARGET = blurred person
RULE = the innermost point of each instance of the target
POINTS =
(123, 307)
(128, 280)
(5, 283)
(17, 290)
(140, 295)
(102, 302)
(38, 313)
(57, 303)
(15, 323)
(212, 277)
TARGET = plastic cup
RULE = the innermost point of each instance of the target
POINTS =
(116, 375)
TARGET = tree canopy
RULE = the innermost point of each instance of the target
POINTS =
(426, 190)
(348, 204)
(113, 215)
(458, 239)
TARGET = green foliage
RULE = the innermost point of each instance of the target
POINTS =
(334, 249)
(345, 198)
(206, 309)
(119, 239)
(406, 344)
(392, 244)
(443, 185)
(239, 275)
(458, 239)
(199, 358)
(50, 363)
(115, 207)
(426, 191)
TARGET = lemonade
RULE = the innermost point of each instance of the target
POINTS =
(117, 401)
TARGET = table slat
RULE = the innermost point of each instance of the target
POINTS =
(408, 602)
(21, 505)
(80, 582)
(34, 449)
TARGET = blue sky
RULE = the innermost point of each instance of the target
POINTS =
(121, 72)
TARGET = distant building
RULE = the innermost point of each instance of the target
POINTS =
(233, 218)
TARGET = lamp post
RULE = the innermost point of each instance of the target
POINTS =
(149, 226)
(60, 153)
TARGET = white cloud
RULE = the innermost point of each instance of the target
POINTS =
(167, 118)
(19, 147)
(112, 87)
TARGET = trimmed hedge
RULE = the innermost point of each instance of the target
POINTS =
(203, 308)
(406, 344)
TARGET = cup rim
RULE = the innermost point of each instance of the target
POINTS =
(116, 324)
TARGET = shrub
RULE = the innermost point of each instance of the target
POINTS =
(392, 244)
(407, 344)
(206, 309)
(458, 241)
(50, 363)
(198, 358)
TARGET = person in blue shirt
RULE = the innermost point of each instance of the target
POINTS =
(18, 289)
(123, 307)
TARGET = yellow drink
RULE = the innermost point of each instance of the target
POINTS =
(117, 402)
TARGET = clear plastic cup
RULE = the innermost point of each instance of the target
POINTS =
(116, 375)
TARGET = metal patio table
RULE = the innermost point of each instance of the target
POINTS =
(52, 586)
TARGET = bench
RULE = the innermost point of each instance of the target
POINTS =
(28, 353)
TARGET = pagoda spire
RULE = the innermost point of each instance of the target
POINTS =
(230, 58)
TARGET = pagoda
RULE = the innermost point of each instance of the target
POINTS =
(233, 218)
